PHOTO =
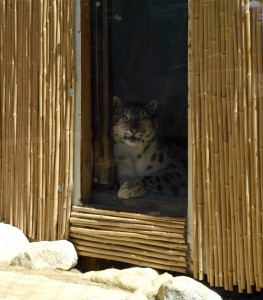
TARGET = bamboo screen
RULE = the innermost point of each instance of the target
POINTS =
(37, 99)
(143, 240)
(227, 140)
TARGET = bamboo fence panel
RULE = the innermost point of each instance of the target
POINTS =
(227, 141)
(37, 82)
(158, 242)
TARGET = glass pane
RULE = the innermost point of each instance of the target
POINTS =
(140, 83)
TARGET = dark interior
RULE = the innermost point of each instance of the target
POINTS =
(149, 57)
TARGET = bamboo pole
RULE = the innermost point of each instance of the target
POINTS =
(72, 118)
(219, 156)
(208, 139)
(97, 234)
(260, 144)
(21, 148)
(205, 132)
(130, 235)
(48, 117)
(124, 251)
(34, 56)
(68, 86)
(62, 10)
(19, 145)
(233, 161)
(84, 251)
(5, 179)
(165, 226)
(41, 211)
(60, 55)
(193, 132)
(250, 184)
(228, 149)
(14, 100)
(135, 244)
(113, 225)
(9, 219)
(130, 247)
(133, 256)
(26, 87)
(120, 224)
(196, 135)
(109, 226)
(232, 154)
(44, 119)
(56, 114)
(127, 215)
(10, 212)
(9, 206)
(254, 149)
(240, 150)
(238, 91)
(247, 139)
(10, 118)
(203, 196)
(4, 125)
(49, 123)
(23, 121)
(51, 134)
(17, 132)
(215, 83)
(145, 235)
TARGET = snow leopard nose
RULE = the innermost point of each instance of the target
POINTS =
(134, 130)
(134, 126)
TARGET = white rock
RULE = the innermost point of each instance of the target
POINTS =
(138, 295)
(128, 279)
(150, 290)
(31, 287)
(185, 288)
(12, 241)
(48, 255)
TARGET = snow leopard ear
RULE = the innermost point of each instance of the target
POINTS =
(116, 103)
(151, 106)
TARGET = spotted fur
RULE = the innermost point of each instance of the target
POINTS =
(145, 164)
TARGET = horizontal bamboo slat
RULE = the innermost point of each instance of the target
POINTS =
(143, 229)
(134, 238)
(164, 257)
(126, 238)
(158, 247)
(145, 218)
(132, 260)
(162, 225)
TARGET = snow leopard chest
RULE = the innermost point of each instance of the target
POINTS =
(158, 169)
(140, 161)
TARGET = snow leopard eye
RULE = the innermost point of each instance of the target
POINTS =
(124, 118)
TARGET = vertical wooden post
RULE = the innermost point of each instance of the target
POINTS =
(86, 132)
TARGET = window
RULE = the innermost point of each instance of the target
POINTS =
(139, 53)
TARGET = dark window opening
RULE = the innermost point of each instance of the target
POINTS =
(139, 53)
